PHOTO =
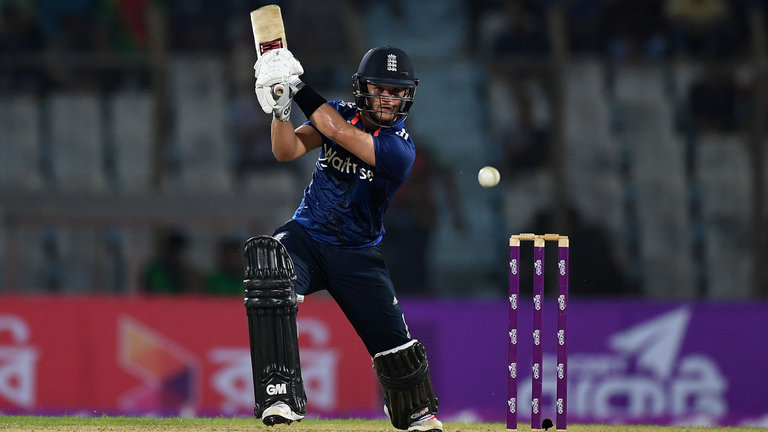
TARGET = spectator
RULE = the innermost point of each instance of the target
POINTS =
(18, 32)
(594, 269)
(482, 23)
(18, 36)
(635, 28)
(702, 27)
(123, 27)
(227, 276)
(71, 30)
(527, 144)
(525, 29)
(168, 272)
(328, 58)
(586, 25)
(53, 13)
(127, 21)
(411, 220)
(197, 26)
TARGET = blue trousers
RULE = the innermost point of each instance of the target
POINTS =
(356, 278)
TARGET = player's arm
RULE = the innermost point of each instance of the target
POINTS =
(273, 71)
(331, 124)
(289, 144)
(277, 85)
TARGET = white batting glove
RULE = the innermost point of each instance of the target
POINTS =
(279, 63)
(273, 69)
(277, 97)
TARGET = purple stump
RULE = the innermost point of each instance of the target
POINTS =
(514, 294)
(561, 402)
(538, 353)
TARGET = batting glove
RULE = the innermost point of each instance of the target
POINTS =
(278, 97)
(273, 71)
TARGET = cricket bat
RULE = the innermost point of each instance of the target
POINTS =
(268, 31)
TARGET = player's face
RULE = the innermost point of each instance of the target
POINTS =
(386, 105)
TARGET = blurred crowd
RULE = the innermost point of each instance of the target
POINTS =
(122, 32)
(105, 45)
(713, 32)
(706, 29)
(619, 28)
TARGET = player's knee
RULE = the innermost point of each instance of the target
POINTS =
(267, 258)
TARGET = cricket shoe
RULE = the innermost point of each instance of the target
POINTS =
(428, 423)
(425, 423)
(279, 413)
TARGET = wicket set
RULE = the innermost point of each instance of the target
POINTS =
(561, 402)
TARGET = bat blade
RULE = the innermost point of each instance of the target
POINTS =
(268, 31)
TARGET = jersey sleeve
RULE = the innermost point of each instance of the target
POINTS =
(395, 154)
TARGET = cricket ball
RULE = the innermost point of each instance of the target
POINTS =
(488, 177)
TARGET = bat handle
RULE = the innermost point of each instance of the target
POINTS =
(278, 90)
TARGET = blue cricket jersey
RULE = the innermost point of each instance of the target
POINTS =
(345, 202)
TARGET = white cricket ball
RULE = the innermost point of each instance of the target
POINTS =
(488, 177)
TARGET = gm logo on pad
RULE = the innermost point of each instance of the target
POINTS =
(276, 389)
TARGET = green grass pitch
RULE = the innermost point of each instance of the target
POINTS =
(146, 424)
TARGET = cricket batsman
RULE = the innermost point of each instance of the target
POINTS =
(332, 242)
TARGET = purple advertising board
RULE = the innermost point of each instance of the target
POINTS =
(629, 362)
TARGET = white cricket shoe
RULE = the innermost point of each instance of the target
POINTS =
(428, 423)
(425, 423)
(279, 413)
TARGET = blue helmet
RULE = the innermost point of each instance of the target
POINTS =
(388, 66)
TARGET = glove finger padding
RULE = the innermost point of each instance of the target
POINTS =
(276, 66)
(266, 98)
(276, 99)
